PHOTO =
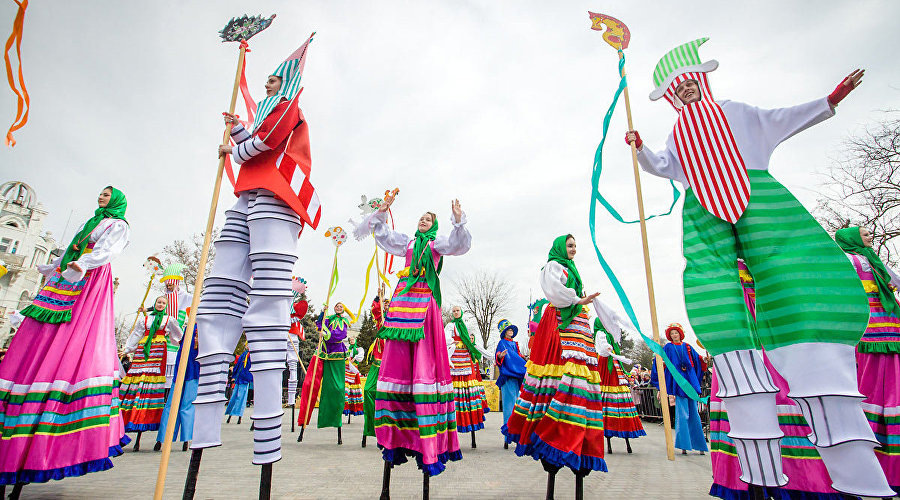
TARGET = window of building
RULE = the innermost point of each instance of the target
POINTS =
(15, 247)
(5, 245)
(39, 256)
(12, 224)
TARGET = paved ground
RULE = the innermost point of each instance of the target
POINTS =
(318, 468)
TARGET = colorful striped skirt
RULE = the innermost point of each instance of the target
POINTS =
(415, 415)
(353, 391)
(468, 391)
(59, 392)
(144, 388)
(878, 375)
(808, 477)
(558, 415)
(620, 417)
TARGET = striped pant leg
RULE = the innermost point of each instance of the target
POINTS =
(274, 228)
(222, 305)
(713, 294)
(292, 381)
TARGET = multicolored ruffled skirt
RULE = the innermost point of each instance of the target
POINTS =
(468, 391)
(144, 388)
(558, 415)
(353, 391)
(59, 392)
(620, 417)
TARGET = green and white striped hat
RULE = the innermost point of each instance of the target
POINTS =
(172, 272)
(680, 60)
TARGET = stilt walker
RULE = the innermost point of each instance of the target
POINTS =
(468, 389)
(414, 408)
(258, 239)
(177, 302)
(620, 417)
(380, 305)
(298, 311)
(512, 367)
(242, 375)
(720, 150)
(184, 424)
(143, 388)
(66, 342)
(353, 393)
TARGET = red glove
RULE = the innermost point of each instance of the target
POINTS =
(843, 89)
(638, 143)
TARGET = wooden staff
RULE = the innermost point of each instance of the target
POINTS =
(198, 286)
(660, 366)
(312, 381)
(143, 301)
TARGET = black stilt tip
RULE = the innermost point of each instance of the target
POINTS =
(473, 441)
(340, 441)
(551, 477)
(426, 485)
(252, 425)
(757, 492)
(608, 444)
(17, 490)
(2, 490)
(628, 445)
(228, 420)
(348, 418)
(579, 483)
(190, 482)
(157, 446)
(386, 482)
(293, 420)
(265, 482)
(684, 452)
(364, 441)
(137, 442)
(239, 420)
(184, 445)
(300, 437)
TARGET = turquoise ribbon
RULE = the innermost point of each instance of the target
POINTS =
(597, 197)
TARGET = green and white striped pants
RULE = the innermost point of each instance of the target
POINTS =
(806, 289)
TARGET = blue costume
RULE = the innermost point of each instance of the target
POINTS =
(688, 428)
(512, 369)
(242, 379)
(185, 420)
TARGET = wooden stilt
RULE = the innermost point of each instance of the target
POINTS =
(185, 445)
(239, 420)
(426, 485)
(265, 482)
(348, 418)
(2, 490)
(551, 477)
(364, 441)
(473, 441)
(386, 482)
(628, 445)
(293, 420)
(340, 441)
(300, 437)
(608, 444)
(757, 492)
(579, 483)
(157, 446)
(17, 490)
(137, 442)
(228, 420)
(190, 482)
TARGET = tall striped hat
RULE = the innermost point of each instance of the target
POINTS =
(682, 59)
(173, 272)
(290, 71)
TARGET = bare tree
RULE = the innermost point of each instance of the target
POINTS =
(188, 253)
(484, 296)
(863, 187)
(122, 330)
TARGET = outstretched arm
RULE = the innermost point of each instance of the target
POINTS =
(460, 240)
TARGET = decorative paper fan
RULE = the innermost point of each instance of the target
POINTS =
(337, 234)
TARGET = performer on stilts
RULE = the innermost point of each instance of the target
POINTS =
(353, 391)
(414, 408)
(468, 389)
(808, 477)
(620, 417)
(878, 352)
(558, 416)
(512, 367)
(376, 351)
(258, 239)
(143, 388)
(177, 302)
(688, 428)
(67, 341)
(810, 305)
(298, 311)
(242, 376)
(185, 422)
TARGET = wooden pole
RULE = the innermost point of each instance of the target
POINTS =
(143, 301)
(312, 381)
(198, 287)
(660, 367)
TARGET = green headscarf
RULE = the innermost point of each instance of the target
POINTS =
(423, 258)
(463, 331)
(558, 254)
(154, 327)
(598, 327)
(115, 209)
(850, 241)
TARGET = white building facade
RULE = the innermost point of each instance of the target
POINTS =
(23, 245)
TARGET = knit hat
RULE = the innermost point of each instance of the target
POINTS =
(678, 61)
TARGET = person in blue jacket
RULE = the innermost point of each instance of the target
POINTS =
(688, 428)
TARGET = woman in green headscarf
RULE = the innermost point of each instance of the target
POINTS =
(143, 388)
(878, 352)
(563, 380)
(414, 405)
(468, 388)
(66, 341)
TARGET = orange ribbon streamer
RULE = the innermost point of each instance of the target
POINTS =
(22, 100)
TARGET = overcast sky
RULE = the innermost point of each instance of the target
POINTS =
(498, 103)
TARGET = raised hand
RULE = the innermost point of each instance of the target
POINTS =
(588, 299)
(457, 210)
(852, 81)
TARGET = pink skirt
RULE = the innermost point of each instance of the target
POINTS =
(878, 375)
(59, 392)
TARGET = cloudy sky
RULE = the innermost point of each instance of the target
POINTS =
(498, 103)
